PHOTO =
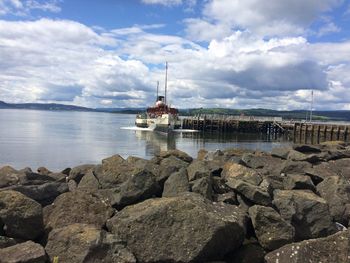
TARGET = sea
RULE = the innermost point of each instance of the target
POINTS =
(61, 139)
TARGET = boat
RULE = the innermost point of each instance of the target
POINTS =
(160, 117)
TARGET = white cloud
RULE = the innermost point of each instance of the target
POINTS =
(327, 29)
(24, 7)
(163, 2)
(265, 18)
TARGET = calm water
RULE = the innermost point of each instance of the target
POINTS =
(30, 138)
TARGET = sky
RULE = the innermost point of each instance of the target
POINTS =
(221, 53)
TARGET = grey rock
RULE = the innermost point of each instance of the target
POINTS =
(176, 184)
(307, 212)
(178, 154)
(168, 166)
(203, 186)
(253, 161)
(270, 228)
(297, 181)
(27, 252)
(336, 191)
(78, 172)
(173, 229)
(85, 243)
(77, 207)
(228, 198)
(233, 171)
(138, 187)
(248, 253)
(281, 152)
(21, 216)
(7, 241)
(252, 192)
(89, 182)
(307, 148)
(333, 248)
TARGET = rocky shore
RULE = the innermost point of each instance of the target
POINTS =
(237, 206)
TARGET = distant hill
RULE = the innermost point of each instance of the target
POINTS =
(42, 106)
(295, 114)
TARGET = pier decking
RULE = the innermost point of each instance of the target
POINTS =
(299, 132)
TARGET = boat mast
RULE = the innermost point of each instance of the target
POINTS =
(166, 81)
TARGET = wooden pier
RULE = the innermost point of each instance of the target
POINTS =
(299, 132)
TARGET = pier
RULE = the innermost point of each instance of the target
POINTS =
(299, 132)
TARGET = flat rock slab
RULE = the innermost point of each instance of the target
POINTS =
(333, 248)
(78, 243)
(27, 252)
(179, 229)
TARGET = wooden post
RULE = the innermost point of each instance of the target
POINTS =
(332, 130)
(325, 133)
(300, 131)
(295, 133)
(305, 139)
(312, 133)
(338, 133)
(346, 134)
(318, 134)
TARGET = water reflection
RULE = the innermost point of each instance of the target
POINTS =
(156, 142)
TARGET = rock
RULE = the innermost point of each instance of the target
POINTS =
(143, 164)
(271, 183)
(72, 185)
(21, 216)
(113, 171)
(7, 242)
(341, 167)
(85, 243)
(60, 177)
(77, 207)
(293, 167)
(307, 148)
(270, 228)
(203, 186)
(297, 181)
(89, 182)
(307, 212)
(43, 171)
(253, 161)
(66, 171)
(201, 154)
(336, 191)
(333, 248)
(44, 194)
(78, 172)
(301, 157)
(198, 169)
(172, 228)
(9, 176)
(138, 187)
(228, 198)
(176, 184)
(169, 166)
(252, 192)
(219, 185)
(281, 152)
(27, 252)
(233, 171)
(178, 154)
(248, 253)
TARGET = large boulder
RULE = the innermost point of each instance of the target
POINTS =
(294, 167)
(89, 182)
(333, 248)
(307, 212)
(9, 176)
(21, 216)
(336, 191)
(298, 181)
(138, 187)
(173, 229)
(178, 154)
(281, 152)
(233, 171)
(176, 184)
(27, 252)
(86, 243)
(77, 207)
(307, 148)
(301, 157)
(113, 171)
(270, 228)
(203, 186)
(199, 169)
(78, 172)
(168, 166)
(253, 193)
(44, 194)
(254, 161)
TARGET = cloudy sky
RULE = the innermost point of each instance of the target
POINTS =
(221, 53)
